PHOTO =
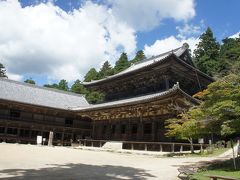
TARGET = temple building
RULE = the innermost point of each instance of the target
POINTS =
(138, 101)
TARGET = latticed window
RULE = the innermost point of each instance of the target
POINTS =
(123, 129)
(148, 128)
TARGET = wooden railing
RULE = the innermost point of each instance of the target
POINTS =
(147, 146)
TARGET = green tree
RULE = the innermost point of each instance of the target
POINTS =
(94, 97)
(63, 85)
(78, 88)
(2, 71)
(206, 55)
(91, 75)
(122, 63)
(229, 56)
(139, 56)
(185, 127)
(106, 70)
(30, 81)
(221, 105)
(54, 86)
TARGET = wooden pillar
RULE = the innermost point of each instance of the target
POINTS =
(62, 139)
(166, 79)
(5, 133)
(50, 139)
(153, 130)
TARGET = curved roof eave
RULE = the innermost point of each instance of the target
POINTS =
(179, 51)
(136, 100)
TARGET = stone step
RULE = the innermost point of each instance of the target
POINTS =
(113, 145)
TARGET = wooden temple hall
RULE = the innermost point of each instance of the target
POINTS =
(138, 101)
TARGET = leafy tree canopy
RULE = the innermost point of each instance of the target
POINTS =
(78, 88)
(63, 85)
(91, 75)
(94, 97)
(2, 71)
(30, 81)
(185, 127)
(206, 55)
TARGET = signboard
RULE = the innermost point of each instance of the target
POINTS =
(39, 140)
(200, 140)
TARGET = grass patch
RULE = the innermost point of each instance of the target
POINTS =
(223, 168)
(215, 152)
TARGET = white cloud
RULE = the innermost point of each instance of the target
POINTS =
(235, 35)
(190, 30)
(145, 15)
(45, 40)
(168, 44)
(15, 77)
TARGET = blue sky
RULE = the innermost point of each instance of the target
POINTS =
(62, 39)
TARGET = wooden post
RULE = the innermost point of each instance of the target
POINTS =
(100, 144)
(145, 147)
(201, 148)
(181, 148)
(161, 149)
(132, 147)
(84, 142)
(92, 144)
(173, 147)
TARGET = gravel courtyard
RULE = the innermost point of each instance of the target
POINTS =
(61, 163)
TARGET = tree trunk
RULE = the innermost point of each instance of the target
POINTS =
(191, 145)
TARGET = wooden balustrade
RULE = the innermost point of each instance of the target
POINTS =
(147, 146)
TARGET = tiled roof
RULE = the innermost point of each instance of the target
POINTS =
(178, 52)
(145, 98)
(31, 94)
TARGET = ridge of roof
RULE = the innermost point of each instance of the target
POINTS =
(40, 87)
(143, 98)
(184, 47)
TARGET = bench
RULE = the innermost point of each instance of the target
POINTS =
(186, 171)
(215, 177)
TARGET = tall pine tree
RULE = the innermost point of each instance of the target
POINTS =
(122, 63)
(206, 56)
(106, 70)
(2, 71)
(139, 56)
(91, 75)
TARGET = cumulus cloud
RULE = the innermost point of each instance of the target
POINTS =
(168, 44)
(190, 30)
(45, 40)
(145, 15)
(235, 35)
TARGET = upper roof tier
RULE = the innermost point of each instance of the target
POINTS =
(137, 100)
(143, 64)
(40, 96)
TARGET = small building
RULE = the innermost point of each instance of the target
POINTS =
(138, 101)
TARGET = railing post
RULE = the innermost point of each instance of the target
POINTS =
(84, 142)
(145, 147)
(201, 148)
(161, 149)
(92, 143)
(100, 144)
(173, 147)
(181, 148)
(132, 147)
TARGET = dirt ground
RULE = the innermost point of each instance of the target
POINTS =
(62, 163)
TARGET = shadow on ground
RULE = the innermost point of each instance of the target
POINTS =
(76, 172)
